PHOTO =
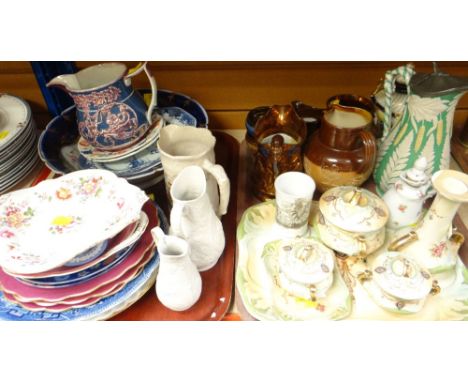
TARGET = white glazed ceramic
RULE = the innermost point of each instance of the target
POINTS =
(182, 146)
(352, 220)
(432, 243)
(406, 197)
(15, 116)
(47, 225)
(193, 218)
(260, 266)
(293, 195)
(398, 283)
(178, 284)
(305, 267)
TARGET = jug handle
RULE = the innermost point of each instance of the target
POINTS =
(223, 183)
(370, 147)
(134, 72)
(406, 71)
(177, 213)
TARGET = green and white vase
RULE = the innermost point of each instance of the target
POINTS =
(423, 129)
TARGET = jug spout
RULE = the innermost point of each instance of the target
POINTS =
(66, 82)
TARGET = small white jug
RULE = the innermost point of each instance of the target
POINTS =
(178, 284)
(194, 219)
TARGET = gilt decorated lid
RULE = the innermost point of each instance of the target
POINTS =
(305, 260)
(354, 209)
(401, 277)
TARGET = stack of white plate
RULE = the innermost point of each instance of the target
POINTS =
(18, 137)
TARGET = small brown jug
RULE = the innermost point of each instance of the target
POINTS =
(343, 151)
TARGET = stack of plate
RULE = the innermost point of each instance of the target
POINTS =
(63, 150)
(75, 247)
(18, 153)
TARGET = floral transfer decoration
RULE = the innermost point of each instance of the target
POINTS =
(438, 249)
(16, 216)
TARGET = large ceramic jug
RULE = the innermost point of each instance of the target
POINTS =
(424, 127)
(194, 219)
(110, 114)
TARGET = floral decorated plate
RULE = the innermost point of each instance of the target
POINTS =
(98, 155)
(45, 226)
(258, 270)
(125, 238)
(104, 308)
(15, 116)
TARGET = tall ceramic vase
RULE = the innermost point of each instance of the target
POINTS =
(433, 243)
(423, 129)
(194, 219)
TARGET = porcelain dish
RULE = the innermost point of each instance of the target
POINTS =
(45, 226)
(352, 220)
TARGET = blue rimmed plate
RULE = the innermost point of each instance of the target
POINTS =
(62, 131)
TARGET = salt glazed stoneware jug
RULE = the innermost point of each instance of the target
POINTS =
(110, 114)
(342, 152)
(424, 127)
(178, 283)
(194, 219)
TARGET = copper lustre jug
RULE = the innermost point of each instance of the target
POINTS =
(279, 135)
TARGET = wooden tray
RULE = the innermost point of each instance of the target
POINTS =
(217, 283)
(246, 199)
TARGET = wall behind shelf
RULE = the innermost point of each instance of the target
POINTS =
(228, 90)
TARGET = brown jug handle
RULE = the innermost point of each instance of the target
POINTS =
(370, 147)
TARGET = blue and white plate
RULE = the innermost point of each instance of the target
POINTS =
(104, 309)
(63, 131)
(142, 162)
(177, 116)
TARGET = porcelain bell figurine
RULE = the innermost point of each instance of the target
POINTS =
(178, 284)
(406, 197)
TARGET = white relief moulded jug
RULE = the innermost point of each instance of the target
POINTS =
(194, 219)
(178, 283)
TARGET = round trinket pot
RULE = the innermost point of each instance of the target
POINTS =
(402, 284)
(352, 220)
(305, 267)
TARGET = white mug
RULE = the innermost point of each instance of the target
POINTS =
(182, 146)
(293, 193)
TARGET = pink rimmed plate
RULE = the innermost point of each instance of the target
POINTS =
(45, 226)
(93, 298)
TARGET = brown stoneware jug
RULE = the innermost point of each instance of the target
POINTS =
(343, 151)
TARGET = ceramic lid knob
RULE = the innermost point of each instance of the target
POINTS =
(417, 176)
